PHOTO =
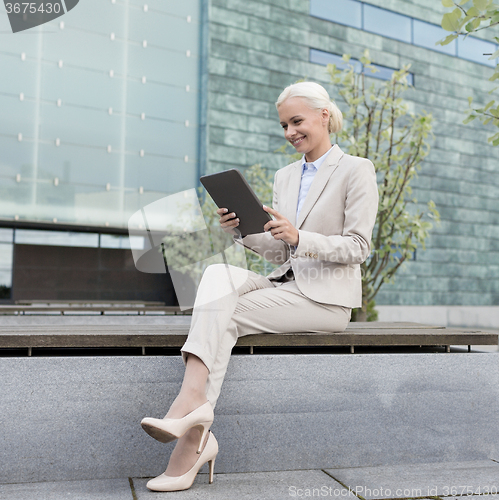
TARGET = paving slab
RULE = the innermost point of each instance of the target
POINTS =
(472, 497)
(478, 478)
(99, 489)
(252, 486)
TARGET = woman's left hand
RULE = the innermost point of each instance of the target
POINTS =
(281, 228)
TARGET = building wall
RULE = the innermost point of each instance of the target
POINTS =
(256, 48)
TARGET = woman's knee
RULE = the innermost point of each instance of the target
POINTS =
(236, 276)
(218, 269)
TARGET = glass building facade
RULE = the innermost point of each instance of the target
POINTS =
(100, 111)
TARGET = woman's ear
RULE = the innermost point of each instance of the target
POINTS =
(325, 116)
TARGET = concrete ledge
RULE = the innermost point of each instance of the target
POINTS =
(458, 316)
(78, 418)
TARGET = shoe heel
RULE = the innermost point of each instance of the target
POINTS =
(204, 428)
(211, 463)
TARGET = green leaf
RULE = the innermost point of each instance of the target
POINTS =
(491, 8)
(489, 104)
(448, 3)
(480, 4)
(469, 119)
(475, 24)
(451, 21)
(447, 39)
(469, 27)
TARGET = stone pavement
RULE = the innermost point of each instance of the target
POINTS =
(447, 481)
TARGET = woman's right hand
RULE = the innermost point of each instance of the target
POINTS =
(227, 224)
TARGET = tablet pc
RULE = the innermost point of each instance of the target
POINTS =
(229, 189)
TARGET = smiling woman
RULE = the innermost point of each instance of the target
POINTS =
(307, 114)
(324, 209)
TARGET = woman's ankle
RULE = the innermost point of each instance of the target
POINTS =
(184, 404)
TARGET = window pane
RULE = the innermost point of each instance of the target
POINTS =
(160, 174)
(339, 11)
(426, 35)
(173, 9)
(12, 64)
(158, 137)
(474, 49)
(118, 241)
(5, 283)
(325, 58)
(382, 72)
(162, 102)
(57, 238)
(17, 115)
(6, 235)
(144, 63)
(387, 23)
(84, 49)
(90, 93)
(76, 164)
(164, 31)
(6, 259)
(385, 73)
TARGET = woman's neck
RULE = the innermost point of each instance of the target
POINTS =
(316, 153)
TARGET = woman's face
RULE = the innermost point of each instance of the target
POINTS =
(305, 128)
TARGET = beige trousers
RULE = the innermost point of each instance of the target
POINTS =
(248, 303)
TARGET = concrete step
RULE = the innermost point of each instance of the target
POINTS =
(74, 418)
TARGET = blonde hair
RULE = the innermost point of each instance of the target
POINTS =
(317, 98)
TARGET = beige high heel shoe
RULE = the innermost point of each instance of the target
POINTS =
(168, 429)
(184, 482)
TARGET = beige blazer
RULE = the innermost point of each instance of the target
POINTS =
(335, 226)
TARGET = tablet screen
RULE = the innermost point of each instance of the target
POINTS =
(229, 189)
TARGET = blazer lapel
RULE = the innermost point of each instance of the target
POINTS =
(294, 191)
(318, 184)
